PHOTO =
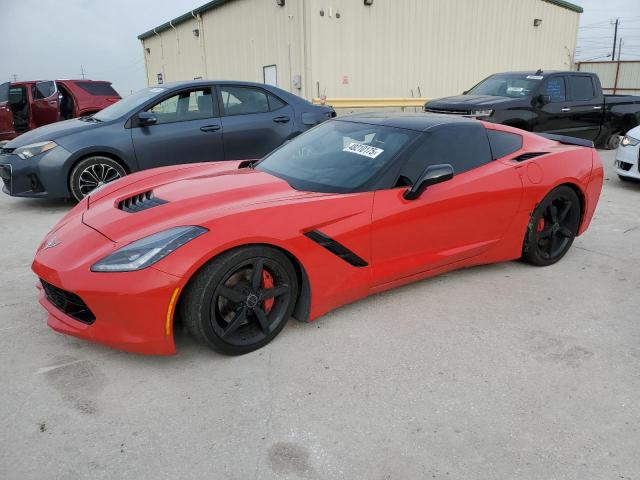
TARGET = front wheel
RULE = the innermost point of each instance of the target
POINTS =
(552, 227)
(613, 142)
(93, 172)
(241, 300)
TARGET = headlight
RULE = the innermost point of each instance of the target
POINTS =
(147, 251)
(34, 149)
(627, 140)
(480, 113)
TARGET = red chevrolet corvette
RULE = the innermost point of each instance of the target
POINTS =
(355, 206)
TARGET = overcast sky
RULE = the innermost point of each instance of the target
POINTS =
(43, 39)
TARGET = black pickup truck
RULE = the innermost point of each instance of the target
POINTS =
(566, 103)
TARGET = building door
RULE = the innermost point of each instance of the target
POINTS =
(270, 75)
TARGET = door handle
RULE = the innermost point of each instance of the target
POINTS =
(210, 128)
(565, 109)
(281, 119)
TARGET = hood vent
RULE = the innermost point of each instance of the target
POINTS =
(528, 156)
(140, 202)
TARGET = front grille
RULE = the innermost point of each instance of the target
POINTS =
(528, 155)
(624, 166)
(447, 112)
(140, 202)
(68, 302)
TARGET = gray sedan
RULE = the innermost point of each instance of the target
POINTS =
(183, 122)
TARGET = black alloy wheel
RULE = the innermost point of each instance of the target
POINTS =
(553, 227)
(241, 300)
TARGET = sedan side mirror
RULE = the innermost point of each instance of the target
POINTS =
(544, 99)
(146, 119)
(433, 174)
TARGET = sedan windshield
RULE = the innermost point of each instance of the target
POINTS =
(124, 106)
(337, 156)
(513, 86)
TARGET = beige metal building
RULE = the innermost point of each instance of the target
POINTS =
(362, 48)
(620, 77)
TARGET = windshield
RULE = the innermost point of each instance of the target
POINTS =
(124, 106)
(513, 86)
(337, 156)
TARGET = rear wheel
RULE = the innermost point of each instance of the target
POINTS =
(552, 227)
(241, 300)
(93, 172)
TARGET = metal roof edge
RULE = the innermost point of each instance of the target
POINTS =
(567, 5)
(182, 18)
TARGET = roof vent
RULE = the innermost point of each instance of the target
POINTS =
(528, 156)
(140, 202)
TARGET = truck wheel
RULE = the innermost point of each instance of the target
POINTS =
(613, 142)
(93, 172)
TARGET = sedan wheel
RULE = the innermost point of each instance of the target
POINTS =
(552, 228)
(93, 172)
(241, 300)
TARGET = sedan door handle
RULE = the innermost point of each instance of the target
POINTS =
(210, 128)
(565, 109)
(281, 119)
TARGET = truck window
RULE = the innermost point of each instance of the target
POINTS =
(43, 90)
(581, 87)
(555, 88)
(464, 147)
(99, 89)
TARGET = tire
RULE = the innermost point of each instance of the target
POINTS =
(552, 228)
(613, 142)
(93, 172)
(228, 303)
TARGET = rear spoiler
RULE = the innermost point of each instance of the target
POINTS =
(568, 140)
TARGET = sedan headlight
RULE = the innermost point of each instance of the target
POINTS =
(480, 113)
(147, 251)
(629, 141)
(34, 149)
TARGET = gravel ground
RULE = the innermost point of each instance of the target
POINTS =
(496, 372)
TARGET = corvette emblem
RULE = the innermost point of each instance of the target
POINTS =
(52, 242)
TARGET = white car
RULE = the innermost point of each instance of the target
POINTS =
(627, 164)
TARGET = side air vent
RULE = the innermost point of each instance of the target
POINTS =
(336, 248)
(140, 202)
(528, 156)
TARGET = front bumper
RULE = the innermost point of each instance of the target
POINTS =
(42, 176)
(627, 161)
(133, 310)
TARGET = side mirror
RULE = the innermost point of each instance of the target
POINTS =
(433, 174)
(146, 118)
(544, 99)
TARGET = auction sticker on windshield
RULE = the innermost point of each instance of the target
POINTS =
(362, 149)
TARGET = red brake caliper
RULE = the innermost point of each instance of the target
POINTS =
(267, 282)
(540, 225)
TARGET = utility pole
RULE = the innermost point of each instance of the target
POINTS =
(83, 74)
(615, 39)
(15, 77)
